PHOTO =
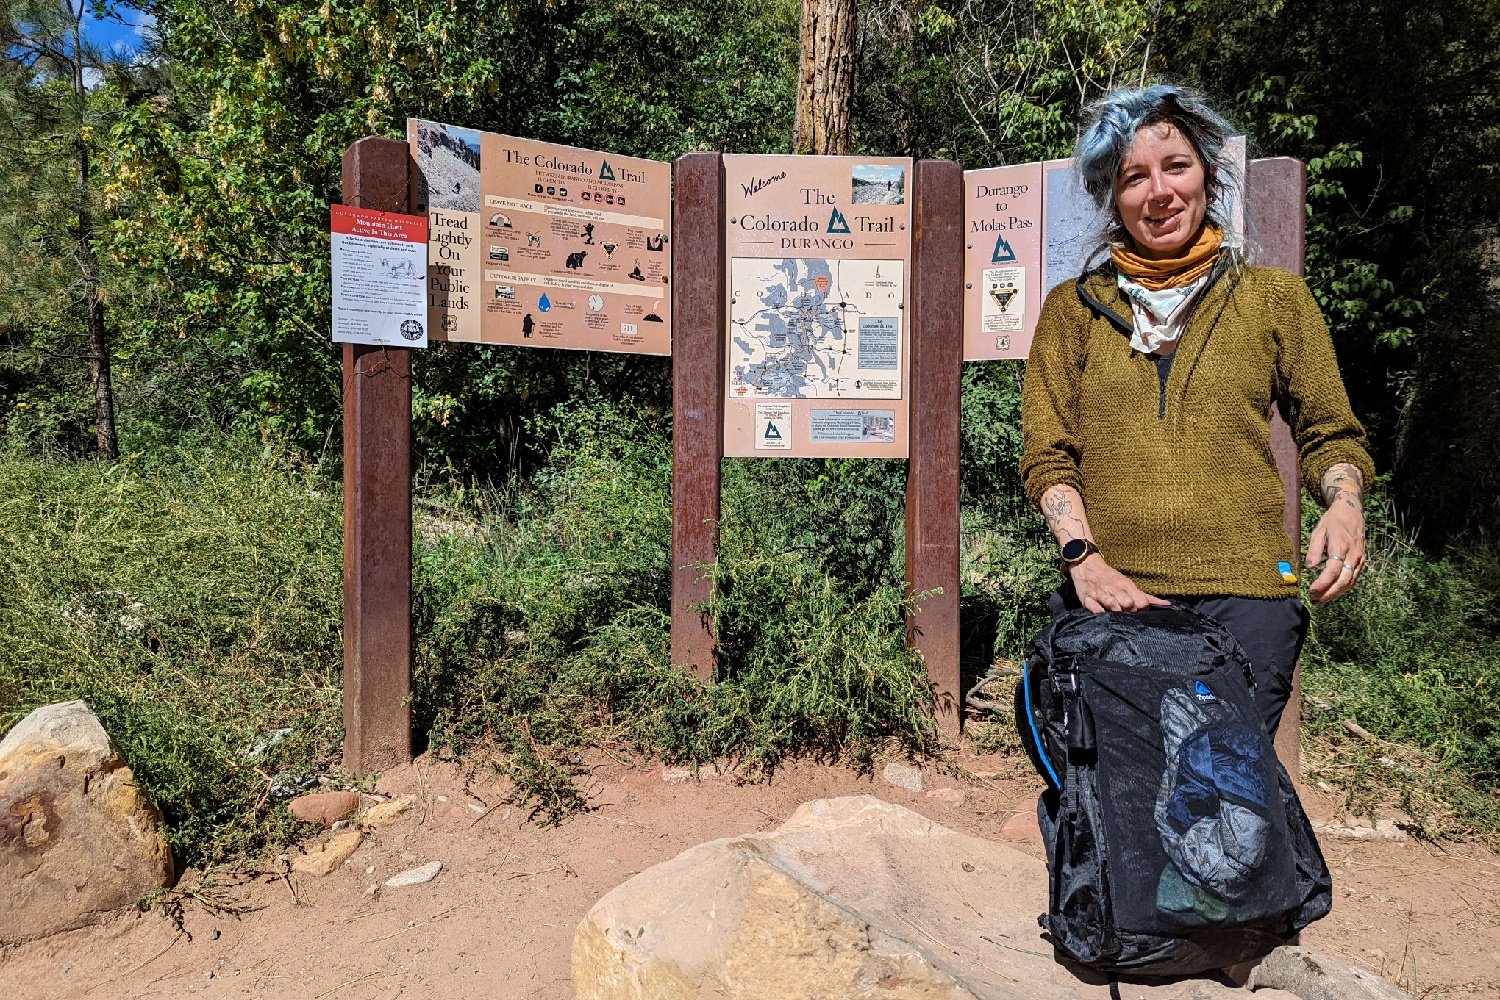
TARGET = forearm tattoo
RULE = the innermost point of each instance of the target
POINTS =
(1061, 517)
(1343, 483)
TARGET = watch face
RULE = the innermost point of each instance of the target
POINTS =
(1075, 549)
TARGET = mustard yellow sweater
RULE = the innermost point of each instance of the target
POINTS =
(1180, 484)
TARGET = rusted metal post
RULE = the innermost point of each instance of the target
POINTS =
(1277, 195)
(936, 317)
(697, 399)
(377, 506)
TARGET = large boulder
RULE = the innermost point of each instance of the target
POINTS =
(850, 898)
(78, 838)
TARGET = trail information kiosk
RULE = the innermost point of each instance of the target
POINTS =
(818, 250)
(540, 245)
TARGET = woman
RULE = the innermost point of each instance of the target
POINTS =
(1146, 409)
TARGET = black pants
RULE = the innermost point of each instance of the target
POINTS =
(1271, 630)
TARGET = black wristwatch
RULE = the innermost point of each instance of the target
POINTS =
(1077, 551)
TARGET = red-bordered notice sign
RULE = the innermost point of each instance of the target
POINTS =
(379, 277)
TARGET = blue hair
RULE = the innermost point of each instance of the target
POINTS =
(1110, 127)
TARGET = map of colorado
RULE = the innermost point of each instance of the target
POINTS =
(807, 328)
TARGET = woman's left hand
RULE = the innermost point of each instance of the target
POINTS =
(1340, 535)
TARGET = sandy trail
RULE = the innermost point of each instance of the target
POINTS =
(498, 921)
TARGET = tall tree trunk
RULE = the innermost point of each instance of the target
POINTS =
(105, 439)
(825, 76)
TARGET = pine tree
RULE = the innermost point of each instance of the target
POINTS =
(49, 134)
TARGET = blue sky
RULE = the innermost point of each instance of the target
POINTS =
(123, 37)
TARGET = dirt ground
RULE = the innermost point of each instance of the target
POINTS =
(498, 920)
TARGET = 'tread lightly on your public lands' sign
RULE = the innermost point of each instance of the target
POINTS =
(818, 250)
(540, 245)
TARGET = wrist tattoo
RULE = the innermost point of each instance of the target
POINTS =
(1058, 509)
(1343, 484)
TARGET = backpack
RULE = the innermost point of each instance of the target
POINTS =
(1175, 840)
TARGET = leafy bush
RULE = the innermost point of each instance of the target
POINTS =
(194, 603)
(1410, 657)
(544, 625)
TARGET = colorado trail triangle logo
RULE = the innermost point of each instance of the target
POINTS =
(772, 434)
(837, 224)
(1003, 253)
(605, 173)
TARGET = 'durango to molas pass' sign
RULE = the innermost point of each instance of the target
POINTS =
(818, 251)
(541, 245)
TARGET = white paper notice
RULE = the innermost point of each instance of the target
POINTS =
(379, 277)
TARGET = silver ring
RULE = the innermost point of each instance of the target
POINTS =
(1339, 558)
(1347, 569)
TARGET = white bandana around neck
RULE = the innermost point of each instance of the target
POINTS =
(1159, 317)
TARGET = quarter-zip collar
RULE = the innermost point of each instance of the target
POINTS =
(1101, 293)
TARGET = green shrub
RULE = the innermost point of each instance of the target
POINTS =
(1411, 656)
(194, 603)
(1008, 571)
(543, 625)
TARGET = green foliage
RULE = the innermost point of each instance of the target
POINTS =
(1008, 570)
(816, 668)
(983, 86)
(50, 125)
(990, 439)
(845, 515)
(193, 600)
(1393, 107)
(542, 625)
(1410, 656)
(1008, 558)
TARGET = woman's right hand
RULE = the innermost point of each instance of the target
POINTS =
(1101, 587)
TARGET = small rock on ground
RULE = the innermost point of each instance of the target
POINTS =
(415, 876)
(903, 776)
(1382, 830)
(948, 796)
(383, 813)
(328, 856)
(324, 808)
(1023, 825)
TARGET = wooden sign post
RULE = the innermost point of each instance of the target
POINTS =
(1277, 192)
(697, 402)
(377, 506)
(932, 486)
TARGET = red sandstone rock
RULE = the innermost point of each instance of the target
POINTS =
(78, 838)
(325, 808)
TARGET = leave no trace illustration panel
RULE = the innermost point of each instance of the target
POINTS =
(541, 245)
(818, 277)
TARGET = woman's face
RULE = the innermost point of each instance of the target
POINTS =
(1159, 193)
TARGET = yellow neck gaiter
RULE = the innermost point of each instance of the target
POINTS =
(1193, 263)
